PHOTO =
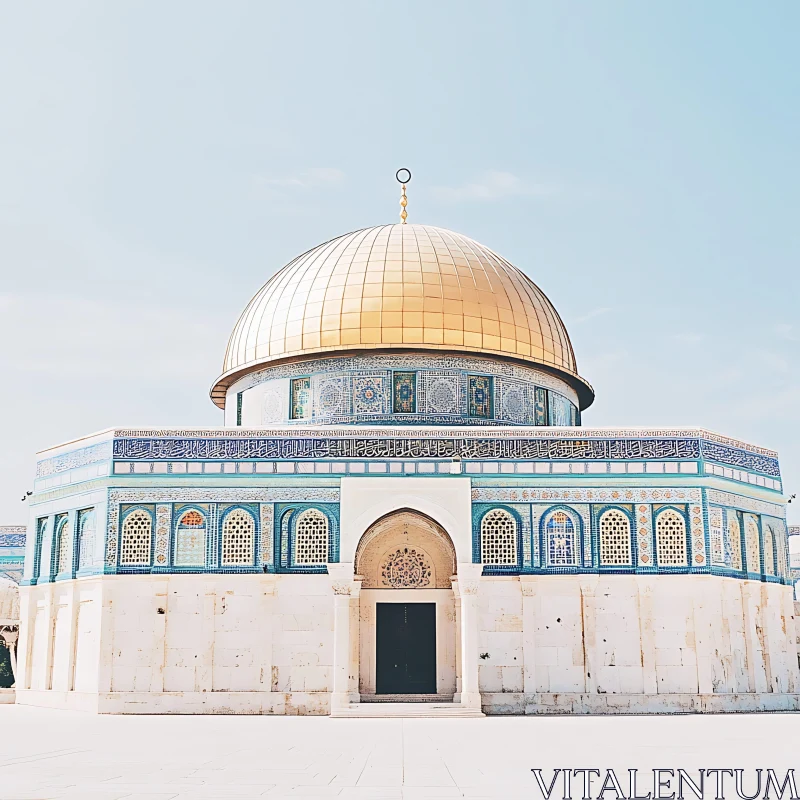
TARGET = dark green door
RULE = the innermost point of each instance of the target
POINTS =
(406, 648)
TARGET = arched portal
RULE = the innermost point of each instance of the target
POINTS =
(407, 612)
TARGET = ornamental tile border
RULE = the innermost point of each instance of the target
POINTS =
(112, 535)
(163, 526)
(644, 535)
(267, 532)
(407, 362)
(13, 535)
(745, 503)
(444, 446)
(73, 459)
(432, 432)
(220, 495)
(697, 535)
(598, 495)
(716, 537)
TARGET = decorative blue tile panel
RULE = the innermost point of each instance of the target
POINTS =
(332, 397)
(404, 392)
(369, 395)
(480, 396)
(75, 458)
(301, 398)
(540, 406)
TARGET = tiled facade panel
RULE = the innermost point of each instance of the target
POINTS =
(403, 390)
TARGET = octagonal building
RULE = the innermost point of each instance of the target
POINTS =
(403, 515)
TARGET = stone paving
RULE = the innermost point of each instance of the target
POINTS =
(58, 754)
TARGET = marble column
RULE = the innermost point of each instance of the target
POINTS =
(468, 586)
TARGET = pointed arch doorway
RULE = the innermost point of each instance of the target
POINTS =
(408, 637)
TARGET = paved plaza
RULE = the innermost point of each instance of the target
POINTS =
(52, 754)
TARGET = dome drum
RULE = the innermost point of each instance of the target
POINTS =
(416, 389)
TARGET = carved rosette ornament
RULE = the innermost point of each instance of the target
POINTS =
(406, 568)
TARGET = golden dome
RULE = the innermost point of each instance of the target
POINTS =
(399, 287)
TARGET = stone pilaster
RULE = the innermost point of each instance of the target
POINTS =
(343, 585)
(528, 585)
(589, 633)
(647, 636)
(468, 587)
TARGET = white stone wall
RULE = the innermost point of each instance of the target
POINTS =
(633, 636)
(265, 644)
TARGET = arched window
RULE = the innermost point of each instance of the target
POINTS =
(62, 559)
(499, 539)
(311, 539)
(190, 540)
(769, 550)
(671, 539)
(734, 541)
(86, 538)
(41, 532)
(752, 548)
(561, 546)
(137, 533)
(238, 539)
(615, 539)
(780, 551)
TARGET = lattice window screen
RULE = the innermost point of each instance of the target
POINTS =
(311, 539)
(671, 539)
(769, 550)
(137, 534)
(735, 541)
(752, 547)
(238, 539)
(615, 539)
(561, 545)
(190, 540)
(86, 539)
(63, 565)
(499, 539)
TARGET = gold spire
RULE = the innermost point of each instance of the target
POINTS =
(403, 176)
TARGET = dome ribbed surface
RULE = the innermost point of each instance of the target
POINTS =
(399, 286)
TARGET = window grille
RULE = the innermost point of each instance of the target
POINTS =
(311, 539)
(62, 564)
(190, 540)
(735, 541)
(769, 550)
(561, 545)
(780, 550)
(41, 532)
(752, 547)
(238, 539)
(615, 539)
(86, 538)
(137, 533)
(671, 539)
(499, 539)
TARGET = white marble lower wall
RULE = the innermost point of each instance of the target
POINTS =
(264, 644)
(631, 635)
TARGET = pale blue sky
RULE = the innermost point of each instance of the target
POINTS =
(159, 161)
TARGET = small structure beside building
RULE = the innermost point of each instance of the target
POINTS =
(12, 557)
